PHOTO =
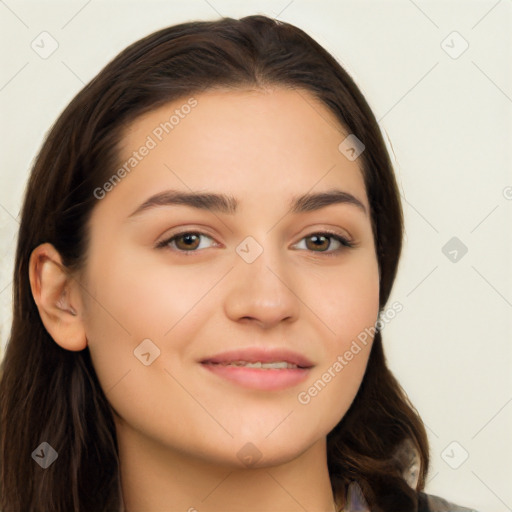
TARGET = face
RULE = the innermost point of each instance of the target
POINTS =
(175, 290)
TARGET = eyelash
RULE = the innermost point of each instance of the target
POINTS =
(345, 243)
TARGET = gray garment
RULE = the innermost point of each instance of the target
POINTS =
(428, 503)
(437, 504)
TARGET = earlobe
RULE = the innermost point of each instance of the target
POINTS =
(57, 297)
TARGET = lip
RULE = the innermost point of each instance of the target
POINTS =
(265, 355)
(259, 378)
(255, 378)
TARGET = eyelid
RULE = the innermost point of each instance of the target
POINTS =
(169, 238)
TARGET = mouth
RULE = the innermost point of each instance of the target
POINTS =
(263, 369)
(261, 357)
(278, 365)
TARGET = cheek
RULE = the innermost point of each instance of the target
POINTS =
(346, 300)
(141, 297)
(346, 307)
(131, 299)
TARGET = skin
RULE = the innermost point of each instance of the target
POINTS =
(179, 427)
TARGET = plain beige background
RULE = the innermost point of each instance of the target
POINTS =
(438, 77)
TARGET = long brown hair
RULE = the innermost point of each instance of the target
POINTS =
(53, 395)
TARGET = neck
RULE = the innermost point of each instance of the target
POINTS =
(155, 477)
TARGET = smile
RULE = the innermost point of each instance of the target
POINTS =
(259, 364)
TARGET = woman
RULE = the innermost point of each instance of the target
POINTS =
(210, 233)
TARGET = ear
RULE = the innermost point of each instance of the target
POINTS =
(57, 296)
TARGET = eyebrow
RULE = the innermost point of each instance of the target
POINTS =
(223, 203)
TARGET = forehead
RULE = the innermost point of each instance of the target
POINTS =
(261, 142)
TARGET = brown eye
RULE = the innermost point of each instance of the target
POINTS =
(190, 241)
(185, 242)
(322, 243)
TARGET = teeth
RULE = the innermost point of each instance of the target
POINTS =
(277, 365)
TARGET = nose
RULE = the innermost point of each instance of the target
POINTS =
(262, 292)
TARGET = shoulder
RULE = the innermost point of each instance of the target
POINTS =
(431, 503)
(426, 502)
(409, 458)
